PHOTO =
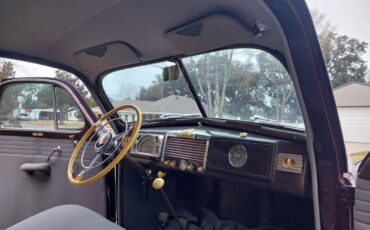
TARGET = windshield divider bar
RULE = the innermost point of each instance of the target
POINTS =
(191, 86)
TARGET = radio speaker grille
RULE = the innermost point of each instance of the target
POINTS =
(188, 149)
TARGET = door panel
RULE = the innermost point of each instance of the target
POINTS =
(362, 196)
(36, 116)
(362, 205)
(22, 195)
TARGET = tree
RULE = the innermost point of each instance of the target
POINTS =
(19, 96)
(211, 74)
(160, 89)
(127, 91)
(81, 88)
(346, 63)
(6, 70)
(283, 104)
(153, 92)
(343, 55)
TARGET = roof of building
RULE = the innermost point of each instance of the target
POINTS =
(176, 104)
(143, 105)
(352, 94)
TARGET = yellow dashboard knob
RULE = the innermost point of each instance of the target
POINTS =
(161, 174)
(243, 134)
(158, 183)
(288, 163)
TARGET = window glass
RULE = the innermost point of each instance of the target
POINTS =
(145, 87)
(69, 115)
(245, 84)
(10, 68)
(28, 106)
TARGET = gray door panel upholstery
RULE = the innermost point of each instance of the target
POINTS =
(23, 195)
(362, 205)
(362, 196)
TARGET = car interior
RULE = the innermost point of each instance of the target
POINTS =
(169, 157)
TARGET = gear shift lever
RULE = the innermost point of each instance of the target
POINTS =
(158, 184)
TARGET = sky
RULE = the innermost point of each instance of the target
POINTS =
(350, 17)
(27, 69)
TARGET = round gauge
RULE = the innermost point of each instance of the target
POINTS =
(238, 156)
(147, 144)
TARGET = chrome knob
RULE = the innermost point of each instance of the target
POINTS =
(183, 164)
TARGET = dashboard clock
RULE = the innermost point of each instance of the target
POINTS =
(238, 156)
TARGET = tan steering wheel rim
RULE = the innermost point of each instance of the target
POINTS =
(129, 142)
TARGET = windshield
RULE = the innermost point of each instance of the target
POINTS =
(245, 84)
(146, 87)
(238, 84)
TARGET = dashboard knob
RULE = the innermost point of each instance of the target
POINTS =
(288, 163)
(158, 183)
(161, 174)
(183, 164)
(190, 167)
(200, 169)
(172, 164)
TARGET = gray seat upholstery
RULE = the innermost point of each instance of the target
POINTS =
(69, 217)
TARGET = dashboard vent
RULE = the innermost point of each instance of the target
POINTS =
(187, 149)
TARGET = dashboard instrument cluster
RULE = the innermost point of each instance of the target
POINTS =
(262, 161)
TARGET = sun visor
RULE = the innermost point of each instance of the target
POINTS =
(211, 32)
(107, 56)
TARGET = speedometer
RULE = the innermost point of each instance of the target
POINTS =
(238, 156)
(147, 144)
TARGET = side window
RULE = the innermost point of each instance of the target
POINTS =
(27, 105)
(31, 106)
(69, 115)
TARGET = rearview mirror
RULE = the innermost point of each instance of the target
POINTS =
(171, 73)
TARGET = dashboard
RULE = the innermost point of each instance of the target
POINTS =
(258, 160)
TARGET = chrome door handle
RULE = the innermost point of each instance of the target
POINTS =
(32, 168)
(43, 168)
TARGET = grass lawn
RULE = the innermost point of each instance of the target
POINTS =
(356, 157)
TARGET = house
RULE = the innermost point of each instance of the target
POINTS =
(35, 114)
(169, 106)
(353, 104)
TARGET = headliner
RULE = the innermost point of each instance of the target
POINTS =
(59, 31)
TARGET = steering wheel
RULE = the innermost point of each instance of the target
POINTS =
(106, 147)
